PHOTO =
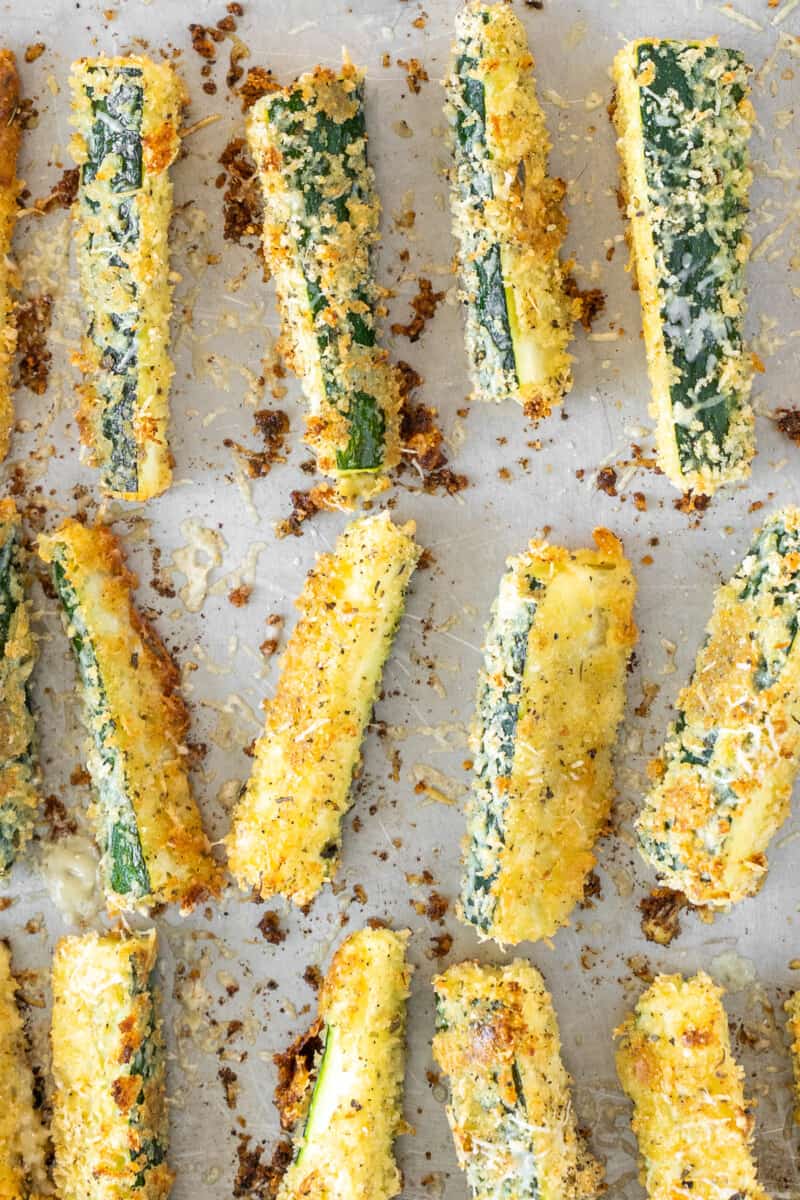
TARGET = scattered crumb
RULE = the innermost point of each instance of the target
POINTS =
(424, 305)
(34, 51)
(607, 481)
(661, 915)
(230, 1085)
(258, 82)
(416, 74)
(304, 506)
(592, 301)
(241, 200)
(33, 317)
(313, 977)
(273, 425)
(591, 890)
(239, 596)
(270, 928)
(255, 1178)
(62, 195)
(788, 422)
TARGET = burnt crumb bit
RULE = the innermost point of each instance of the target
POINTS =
(270, 643)
(239, 596)
(306, 504)
(254, 1177)
(423, 305)
(297, 1068)
(537, 4)
(607, 481)
(693, 504)
(423, 440)
(273, 425)
(788, 422)
(33, 318)
(661, 915)
(592, 301)
(241, 200)
(258, 82)
(313, 977)
(270, 928)
(441, 945)
(34, 51)
(62, 195)
(203, 41)
(591, 890)
(230, 1085)
(416, 74)
(60, 822)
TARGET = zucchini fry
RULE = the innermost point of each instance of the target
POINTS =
(508, 217)
(340, 1087)
(22, 1135)
(724, 778)
(110, 1124)
(510, 1108)
(690, 1118)
(683, 118)
(550, 698)
(126, 113)
(287, 825)
(19, 772)
(792, 1007)
(10, 186)
(321, 217)
(148, 825)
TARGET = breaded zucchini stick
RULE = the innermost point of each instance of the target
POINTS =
(22, 1136)
(550, 697)
(792, 1007)
(683, 117)
(510, 1108)
(287, 825)
(126, 113)
(10, 186)
(508, 217)
(110, 1124)
(19, 772)
(725, 775)
(148, 824)
(690, 1118)
(340, 1085)
(321, 214)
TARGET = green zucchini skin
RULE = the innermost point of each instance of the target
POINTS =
(19, 771)
(119, 835)
(126, 113)
(684, 118)
(505, 656)
(321, 221)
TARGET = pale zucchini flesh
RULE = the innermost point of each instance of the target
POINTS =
(510, 1108)
(724, 780)
(507, 216)
(148, 825)
(23, 1140)
(309, 141)
(550, 698)
(286, 827)
(683, 117)
(341, 1087)
(126, 113)
(110, 1124)
(691, 1119)
(19, 772)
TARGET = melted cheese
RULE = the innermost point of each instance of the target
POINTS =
(690, 1117)
(510, 1108)
(287, 825)
(550, 699)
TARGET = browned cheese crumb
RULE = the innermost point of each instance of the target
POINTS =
(270, 928)
(416, 74)
(306, 504)
(789, 423)
(273, 425)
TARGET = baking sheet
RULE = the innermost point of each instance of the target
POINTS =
(215, 530)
